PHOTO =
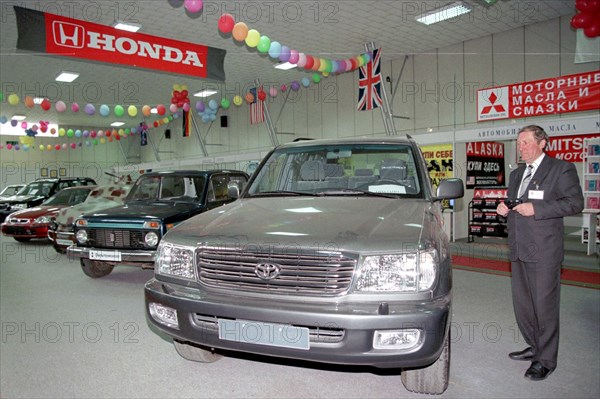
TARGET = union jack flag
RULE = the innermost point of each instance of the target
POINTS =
(369, 83)
(257, 114)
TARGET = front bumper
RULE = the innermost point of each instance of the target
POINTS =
(341, 333)
(61, 239)
(144, 257)
(24, 231)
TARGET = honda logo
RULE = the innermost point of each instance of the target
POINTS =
(68, 35)
(267, 271)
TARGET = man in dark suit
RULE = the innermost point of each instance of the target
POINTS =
(549, 189)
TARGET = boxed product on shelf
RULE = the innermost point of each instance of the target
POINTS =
(593, 185)
(593, 203)
(594, 167)
(594, 149)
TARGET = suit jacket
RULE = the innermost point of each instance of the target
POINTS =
(540, 238)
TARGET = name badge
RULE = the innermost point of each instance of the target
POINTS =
(536, 194)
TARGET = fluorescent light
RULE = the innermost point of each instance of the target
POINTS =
(117, 124)
(285, 66)
(154, 111)
(18, 117)
(129, 27)
(38, 100)
(441, 14)
(205, 93)
(67, 77)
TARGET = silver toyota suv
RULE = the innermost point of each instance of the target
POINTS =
(334, 252)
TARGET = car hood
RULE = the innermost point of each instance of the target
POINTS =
(17, 199)
(147, 210)
(37, 211)
(67, 216)
(334, 223)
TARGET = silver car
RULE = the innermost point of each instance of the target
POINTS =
(334, 252)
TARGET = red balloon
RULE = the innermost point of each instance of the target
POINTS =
(118, 137)
(155, 123)
(161, 109)
(594, 7)
(108, 133)
(354, 63)
(309, 62)
(582, 20)
(226, 23)
(45, 104)
(262, 95)
(184, 93)
(582, 5)
(592, 30)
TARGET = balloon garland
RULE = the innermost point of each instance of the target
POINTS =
(587, 17)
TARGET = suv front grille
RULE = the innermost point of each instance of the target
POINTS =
(109, 238)
(317, 273)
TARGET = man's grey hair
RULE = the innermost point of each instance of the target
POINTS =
(538, 133)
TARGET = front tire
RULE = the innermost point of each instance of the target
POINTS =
(432, 379)
(95, 268)
(196, 353)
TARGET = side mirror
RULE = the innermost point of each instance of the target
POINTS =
(233, 190)
(450, 189)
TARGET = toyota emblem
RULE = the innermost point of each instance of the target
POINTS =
(267, 271)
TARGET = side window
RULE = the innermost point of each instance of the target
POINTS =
(217, 188)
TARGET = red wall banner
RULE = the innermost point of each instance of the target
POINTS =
(58, 35)
(571, 93)
(568, 148)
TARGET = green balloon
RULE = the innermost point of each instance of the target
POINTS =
(119, 111)
(70, 133)
(264, 43)
(225, 103)
(316, 77)
(1, 96)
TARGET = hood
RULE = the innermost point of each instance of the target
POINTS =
(147, 210)
(334, 223)
(17, 199)
(36, 212)
(67, 216)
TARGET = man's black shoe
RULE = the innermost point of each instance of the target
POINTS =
(537, 372)
(525, 354)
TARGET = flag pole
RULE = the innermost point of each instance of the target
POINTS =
(386, 113)
(270, 127)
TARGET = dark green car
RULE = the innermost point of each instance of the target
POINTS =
(157, 202)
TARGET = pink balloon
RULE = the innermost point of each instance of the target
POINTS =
(173, 108)
(60, 106)
(193, 6)
(186, 107)
(273, 91)
(75, 107)
(301, 60)
(293, 57)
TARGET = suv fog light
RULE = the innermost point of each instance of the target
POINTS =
(164, 315)
(397, 339)
(81, 236)
(151, 239)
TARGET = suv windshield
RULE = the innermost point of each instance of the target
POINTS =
(156, 188)
(68, 197)
(340, 170)
(37, 188)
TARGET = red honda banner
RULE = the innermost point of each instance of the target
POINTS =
(57, 35)
(571, 93)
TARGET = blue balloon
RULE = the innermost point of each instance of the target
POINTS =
(104, 110)
(77, 133)
(3, 119)
(213, 117)
(213, 104)
(305, 82)
(275, 50)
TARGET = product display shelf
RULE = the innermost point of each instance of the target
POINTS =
(591, 193)
(483, 219)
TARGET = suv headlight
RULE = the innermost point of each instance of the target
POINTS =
(407, 272)
(175, 260)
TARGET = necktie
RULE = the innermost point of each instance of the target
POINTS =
(526, 180)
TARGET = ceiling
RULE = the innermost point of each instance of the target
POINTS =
(327, 28)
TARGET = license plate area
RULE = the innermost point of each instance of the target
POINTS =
(113, 256)
(260, 333)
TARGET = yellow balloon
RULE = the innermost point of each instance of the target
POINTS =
(61, 132)
(49, 147)
(176, 87)
(237, 100)
(42, 147)
(132, 110)
(13, 99)
(322, 65)
(183, 87)
(102, 140)
(165, 120)
(252, 38)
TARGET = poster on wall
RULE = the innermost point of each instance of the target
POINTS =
(439, 164)
(571, 93)
(485, 164)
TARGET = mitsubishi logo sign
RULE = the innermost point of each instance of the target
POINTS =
(492, 103)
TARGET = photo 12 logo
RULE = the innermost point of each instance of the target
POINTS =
(492, 103)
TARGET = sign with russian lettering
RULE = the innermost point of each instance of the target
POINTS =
(571, 93)
(439, 164)
(485, 164)
(57, 35)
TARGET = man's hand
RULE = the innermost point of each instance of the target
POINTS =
(525, 209)
(502, 209)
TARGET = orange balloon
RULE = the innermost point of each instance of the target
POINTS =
(240, 31)
(29, 102)
(249, 98)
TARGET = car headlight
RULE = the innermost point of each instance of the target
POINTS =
(151, 239)
(18, 206)
(175, 260)
(43, 220)
(81, 236)
(407, 272)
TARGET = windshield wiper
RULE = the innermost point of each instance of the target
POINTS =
(284, 193)
(352, 191)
